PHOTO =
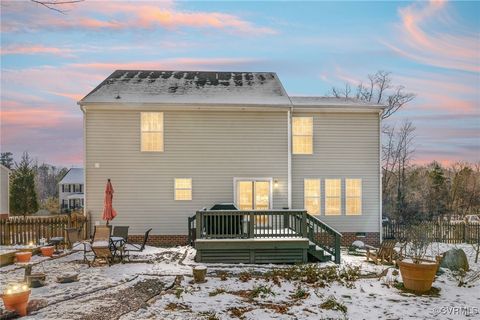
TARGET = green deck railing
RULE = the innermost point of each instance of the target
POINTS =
(244, 224)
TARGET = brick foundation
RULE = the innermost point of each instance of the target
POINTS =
(370, 238)
(160, 240)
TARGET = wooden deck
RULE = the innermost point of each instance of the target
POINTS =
(274, 236)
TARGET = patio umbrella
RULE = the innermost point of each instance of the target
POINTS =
(108, 212)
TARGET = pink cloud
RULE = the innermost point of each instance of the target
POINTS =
(425, 34)
(105, 15)
(34, 49)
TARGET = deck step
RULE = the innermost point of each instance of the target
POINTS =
(315, 254)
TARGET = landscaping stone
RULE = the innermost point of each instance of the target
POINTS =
(358, 244)
(455, 259)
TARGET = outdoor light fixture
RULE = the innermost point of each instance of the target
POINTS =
(275, 183)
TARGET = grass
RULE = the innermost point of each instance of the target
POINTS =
(332, 304)
(300, 293)
(216, 292)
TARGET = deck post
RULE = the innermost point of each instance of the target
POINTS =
(337, 249)
(251, 226)
(303, 226)
(199, 225)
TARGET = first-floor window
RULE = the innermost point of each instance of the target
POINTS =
(183, 189)
(333, 199)
(353, 196)
(311, 191)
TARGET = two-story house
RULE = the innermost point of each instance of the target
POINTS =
(175, 142)
(71, 189)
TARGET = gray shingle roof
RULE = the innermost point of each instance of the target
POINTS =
(73, 176)
(189, 87)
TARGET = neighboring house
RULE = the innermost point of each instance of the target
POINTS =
(4, 190)
(175, 142)
(71, 189)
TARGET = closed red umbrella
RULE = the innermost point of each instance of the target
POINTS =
(108, 212)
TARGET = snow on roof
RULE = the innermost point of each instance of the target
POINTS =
(189, 87)
(73, 176)
(332, 102)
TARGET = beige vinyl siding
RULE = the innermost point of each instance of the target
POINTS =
(4, 190)
(210, 147)
(345, 145)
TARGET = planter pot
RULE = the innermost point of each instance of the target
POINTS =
(47, 251)
(418, 277)
(23, 256)
(199, 274)
(17, 302)
(36, 280)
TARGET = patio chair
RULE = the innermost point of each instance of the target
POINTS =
(75, 241)
(101, 245)
(135, 247)
(386, 252)
(120, 231)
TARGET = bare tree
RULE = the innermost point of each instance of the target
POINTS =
(56, 5)
(379, 89)
(397, 153)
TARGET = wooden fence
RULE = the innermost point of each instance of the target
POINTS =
(23, 230)
(437, 231)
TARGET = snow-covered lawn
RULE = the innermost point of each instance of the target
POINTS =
(158, 285)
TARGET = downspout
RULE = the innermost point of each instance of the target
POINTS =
(289, 158)
(380, 183)
(84, 160)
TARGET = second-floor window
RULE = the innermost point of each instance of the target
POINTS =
(183, 189)
(302, 135)
(152, 131)
(333, 197)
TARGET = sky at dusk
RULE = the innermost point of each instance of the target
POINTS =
(51, 60)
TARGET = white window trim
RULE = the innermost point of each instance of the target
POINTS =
(238, 179)
(361, 197)
(175, 189)
(319, 196)
(293, 135)
(325, 197)
(163, 132)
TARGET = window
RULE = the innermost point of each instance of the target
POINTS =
(333, 202)
(353, 196)
(183, 189)
(311, 193)
(152, 131)
(302, 129)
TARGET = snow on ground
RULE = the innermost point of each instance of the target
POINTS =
(158, 285)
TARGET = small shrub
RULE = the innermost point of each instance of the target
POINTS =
(223, 275)
(245, 276)
(210, 315)
(260, 291)
(178, 292)
(216, 292)
(300, 293)
(332, 304)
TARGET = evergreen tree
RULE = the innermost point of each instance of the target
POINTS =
(6, 159)
(437, 193)
(23, 197)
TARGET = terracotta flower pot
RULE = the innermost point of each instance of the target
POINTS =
(47, 251)
(17, 302)
(418, 276)
(23, 256)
